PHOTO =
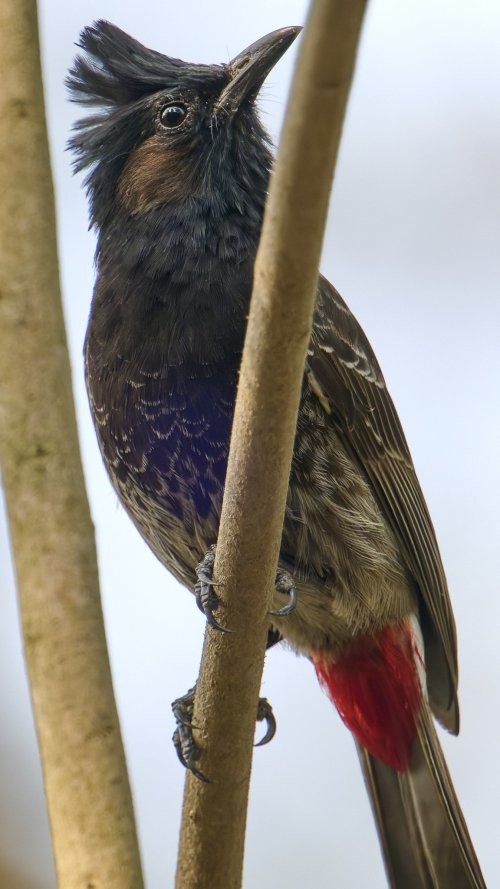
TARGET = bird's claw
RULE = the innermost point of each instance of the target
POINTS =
(206, 597)
(265, 713)
(208, 601)
(186, 748)
(285, 584)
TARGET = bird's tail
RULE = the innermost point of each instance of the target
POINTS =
(422, 831)
(378, 687)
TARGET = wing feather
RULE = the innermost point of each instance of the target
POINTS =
(349, 377)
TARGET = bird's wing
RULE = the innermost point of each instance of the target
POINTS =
(346, 377)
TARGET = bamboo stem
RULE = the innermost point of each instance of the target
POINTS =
(286, 272)
(88, 795)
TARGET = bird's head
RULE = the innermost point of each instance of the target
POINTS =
(167, 130)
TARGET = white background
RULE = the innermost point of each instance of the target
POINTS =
(413, 245)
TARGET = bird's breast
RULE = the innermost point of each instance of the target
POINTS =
(165, 442)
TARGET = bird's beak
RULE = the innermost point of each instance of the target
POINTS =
(249, 69)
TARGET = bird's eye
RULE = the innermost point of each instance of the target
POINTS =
(172, 116)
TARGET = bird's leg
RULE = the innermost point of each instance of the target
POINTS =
(184, 743)
(208, 601)
(273, 637)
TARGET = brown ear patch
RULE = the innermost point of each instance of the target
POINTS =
(154, 175)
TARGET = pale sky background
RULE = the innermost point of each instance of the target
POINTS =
(414, 246)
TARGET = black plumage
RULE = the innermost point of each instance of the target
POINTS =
(178, 171)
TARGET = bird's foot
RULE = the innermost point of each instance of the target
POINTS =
(186, 748)
(206, 597)
(208, 601)
(265, 714)
(285, 584)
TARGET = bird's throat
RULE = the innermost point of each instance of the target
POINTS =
(154, 177)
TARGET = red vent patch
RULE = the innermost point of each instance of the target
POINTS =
(376, 689)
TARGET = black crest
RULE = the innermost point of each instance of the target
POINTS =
(119, 75)
(118, 70)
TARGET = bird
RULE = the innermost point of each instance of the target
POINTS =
(178, 166)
